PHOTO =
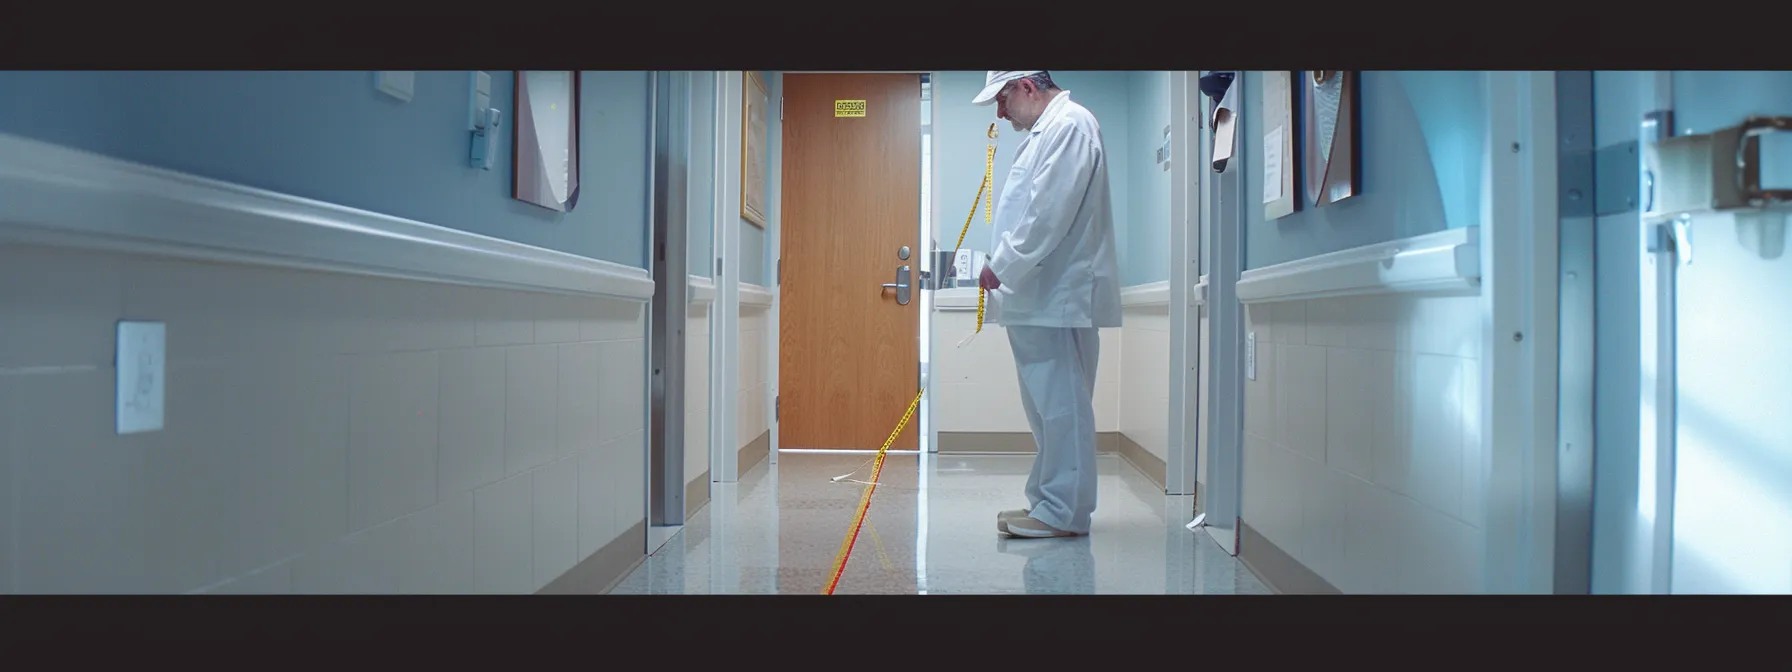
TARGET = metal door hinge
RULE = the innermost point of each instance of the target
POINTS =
(780, 281)
(718, 268)
(780, 108)
(1711, 172)
(777, 408)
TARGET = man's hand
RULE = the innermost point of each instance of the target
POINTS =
(988, 280)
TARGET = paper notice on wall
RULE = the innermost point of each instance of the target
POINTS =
(1272, 166)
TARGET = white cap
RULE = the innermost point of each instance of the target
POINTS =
(995, 80)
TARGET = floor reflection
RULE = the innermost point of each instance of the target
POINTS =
(931, 530)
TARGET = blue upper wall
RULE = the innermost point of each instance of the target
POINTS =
(1145, 258)
(1422, 143)
(330, 136)
(756, 258)
(702, 213)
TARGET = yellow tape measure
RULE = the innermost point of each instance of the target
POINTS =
(989, 163)
(858, 519)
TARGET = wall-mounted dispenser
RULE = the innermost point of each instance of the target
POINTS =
(482, 121)
(957, 270)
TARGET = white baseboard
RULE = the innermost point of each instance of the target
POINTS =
(1447, 261)
(63, 197)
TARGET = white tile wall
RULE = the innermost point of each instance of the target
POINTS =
(1143, 395)
(1201, 407)
(696, 399)
(1359, 459)
(977, 386)
(324, 432)
(755, 392)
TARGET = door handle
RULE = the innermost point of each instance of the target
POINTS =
(900, 285)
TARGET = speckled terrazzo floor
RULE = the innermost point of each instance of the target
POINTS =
(931, 530)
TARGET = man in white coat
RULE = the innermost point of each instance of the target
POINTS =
(1053, 285)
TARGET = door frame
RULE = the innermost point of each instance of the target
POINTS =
(667, 313)
(724, 316)
(1223, 198)
(1578, 200)
(1520, 293)
(929, 430)
(927, 436)
(1658, 426)
(1182, 468)
(774, 243)
(668, 240)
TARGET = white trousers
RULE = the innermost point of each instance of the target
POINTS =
(1056, 367)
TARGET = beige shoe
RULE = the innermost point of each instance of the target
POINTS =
(1030, 527)
(1005, 516)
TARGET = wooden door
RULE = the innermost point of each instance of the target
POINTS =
(848, 358)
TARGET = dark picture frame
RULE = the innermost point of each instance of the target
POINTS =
(1331, 102)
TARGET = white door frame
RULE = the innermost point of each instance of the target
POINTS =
(1657, 425)
(1519, 295)
(724, 316)
(1224, 197)
(928, 430)
(1186, 143)
(774, 236)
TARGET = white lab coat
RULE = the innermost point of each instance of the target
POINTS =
(1054, 253)
(1054, 249)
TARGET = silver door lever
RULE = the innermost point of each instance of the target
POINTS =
(900, 285)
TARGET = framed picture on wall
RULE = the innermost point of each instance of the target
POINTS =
(1331, 129)
(545, 139)
(1281, 144)
(753, 157)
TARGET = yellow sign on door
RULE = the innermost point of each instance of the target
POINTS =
(849, 108)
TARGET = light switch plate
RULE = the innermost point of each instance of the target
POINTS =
(400, 84)
(479, 97)
(142, 375)
(1250, 355)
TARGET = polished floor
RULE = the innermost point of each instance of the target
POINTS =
(931, 530)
